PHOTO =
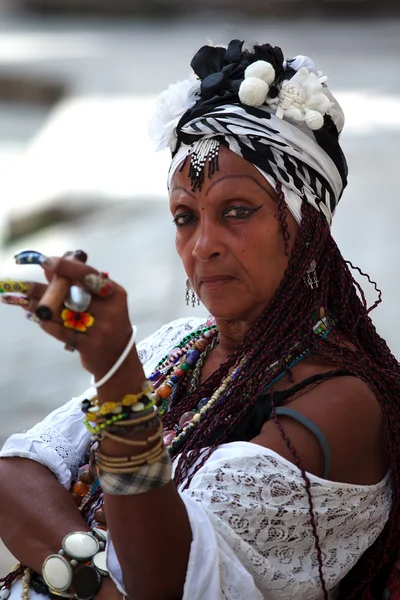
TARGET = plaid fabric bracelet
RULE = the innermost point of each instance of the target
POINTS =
(147, 478)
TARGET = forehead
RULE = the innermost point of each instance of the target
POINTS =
(230, 165)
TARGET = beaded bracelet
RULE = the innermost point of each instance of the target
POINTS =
(129, 464)
(132, 407)
(138, 443)
(122, 419)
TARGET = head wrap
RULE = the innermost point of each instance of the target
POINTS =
(279, 115)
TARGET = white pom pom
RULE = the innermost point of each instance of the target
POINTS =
(253, 91)
(313, 119)
(262, 70)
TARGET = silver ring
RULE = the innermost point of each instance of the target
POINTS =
(78, 299)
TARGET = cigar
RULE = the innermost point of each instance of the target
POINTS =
(57, 290)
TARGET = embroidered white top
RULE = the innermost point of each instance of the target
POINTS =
(247, 508)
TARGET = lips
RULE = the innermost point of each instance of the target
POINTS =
(215, 280)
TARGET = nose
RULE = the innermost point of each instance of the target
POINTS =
(208, 244)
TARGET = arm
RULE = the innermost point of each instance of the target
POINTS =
(33, 524)
(36, 510)
(152, 540)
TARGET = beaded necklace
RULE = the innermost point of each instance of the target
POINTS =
(175, 438)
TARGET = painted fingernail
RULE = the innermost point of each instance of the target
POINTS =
(32, 317)
(31, 257)
(46, 262)
(9, 286)
(77, 255)
(80, 255)
(14, 300)
(99, 283)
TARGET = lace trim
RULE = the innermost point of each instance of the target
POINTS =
(258, 505)
(59, 444)
(153, 348)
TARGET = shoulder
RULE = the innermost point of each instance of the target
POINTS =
(349, 416)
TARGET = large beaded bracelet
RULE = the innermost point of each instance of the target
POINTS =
(77, 570)
(132, 407)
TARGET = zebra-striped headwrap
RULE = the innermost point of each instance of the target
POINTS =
(279, 150)
(278, 115)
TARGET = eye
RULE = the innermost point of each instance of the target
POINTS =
(183, 219)
(239, 212)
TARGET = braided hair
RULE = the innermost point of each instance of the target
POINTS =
(285, 322)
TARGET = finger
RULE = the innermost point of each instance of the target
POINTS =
(33, 257)
(98, 283)
(32, 317)
(76, 256)
(33, 289)
(31, 308)
(58, 287)
(30, 257)
(13, 286)
(15, 300)
(69, 319)
(70, 337)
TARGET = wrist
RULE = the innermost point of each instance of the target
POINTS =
(127, 380)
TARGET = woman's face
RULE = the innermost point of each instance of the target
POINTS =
(229, 237)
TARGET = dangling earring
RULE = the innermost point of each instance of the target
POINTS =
(190, 295)
(311, 278)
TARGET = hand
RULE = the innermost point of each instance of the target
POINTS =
(103, 342)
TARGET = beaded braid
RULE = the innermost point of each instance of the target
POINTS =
(285, 322)
(282, 210)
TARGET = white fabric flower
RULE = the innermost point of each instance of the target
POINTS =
(253, 91)
(262, 70)
(292, 95)
(171, 105)
(313, 119)
(303, 98)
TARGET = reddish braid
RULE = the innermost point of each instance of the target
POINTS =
(309, 498)
(285, 322)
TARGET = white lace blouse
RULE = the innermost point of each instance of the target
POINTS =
(247, 506)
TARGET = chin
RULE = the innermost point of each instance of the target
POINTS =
(227, 311)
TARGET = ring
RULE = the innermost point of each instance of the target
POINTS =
(99, 284)
(78, 299)
(71, 345)
(78, 321)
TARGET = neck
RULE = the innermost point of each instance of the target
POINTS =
(231, 334)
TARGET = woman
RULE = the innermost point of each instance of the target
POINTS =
(280, 413)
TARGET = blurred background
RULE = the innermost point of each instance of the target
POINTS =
(78, 80)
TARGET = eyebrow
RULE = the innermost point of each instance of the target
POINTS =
(265, 189)
(180, 187)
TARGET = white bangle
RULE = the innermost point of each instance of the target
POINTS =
(119, 362)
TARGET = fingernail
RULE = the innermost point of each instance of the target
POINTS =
(80, 255)
(30, 257)
(46, 262)
(14, 300)
(32, 317)
(8, 286)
